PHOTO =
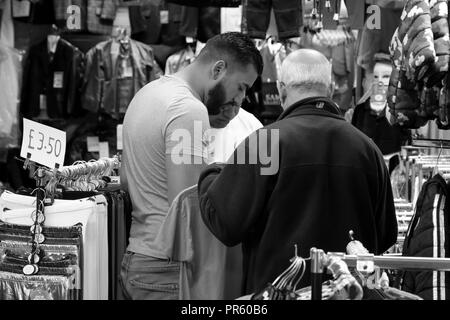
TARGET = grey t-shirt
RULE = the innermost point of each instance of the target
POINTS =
(149, 136)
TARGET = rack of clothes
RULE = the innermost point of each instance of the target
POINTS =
(84, 221)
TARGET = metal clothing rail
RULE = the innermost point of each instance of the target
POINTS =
(430, 143)
(319, 260)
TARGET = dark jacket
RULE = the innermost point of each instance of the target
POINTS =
(39, 76)
(388, 138)
(427, 237)
(331, 179)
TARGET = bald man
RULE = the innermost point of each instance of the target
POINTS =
(330, 179)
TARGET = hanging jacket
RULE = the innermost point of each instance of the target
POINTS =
(331, 179)
(426, 237)
(101, 81)
(420, 50)
(58, 78)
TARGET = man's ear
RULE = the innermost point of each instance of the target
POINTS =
(332, 88)
(219, 68)
(282, 92)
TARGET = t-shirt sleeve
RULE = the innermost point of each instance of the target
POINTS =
(186, 129)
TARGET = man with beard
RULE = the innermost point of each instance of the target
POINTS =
(165, 149)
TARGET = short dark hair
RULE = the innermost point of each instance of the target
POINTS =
(233, 46)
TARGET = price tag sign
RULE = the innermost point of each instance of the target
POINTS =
(58, 80)
(104, 149)
(43, 144)
(93, 144)
(164, 16)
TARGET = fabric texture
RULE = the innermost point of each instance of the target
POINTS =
(343, 184)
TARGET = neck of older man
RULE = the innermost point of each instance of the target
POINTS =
(298, 95)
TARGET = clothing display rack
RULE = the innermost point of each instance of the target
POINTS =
(363, 262)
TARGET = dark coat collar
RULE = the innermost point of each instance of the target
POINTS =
(320, 106)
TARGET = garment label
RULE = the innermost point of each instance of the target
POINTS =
(58, 77)
(164, 16)
(93, 144)
(127, 69)
(104, 149)
(20, 8)
(43, 102)
(43, 144)
(120, 137)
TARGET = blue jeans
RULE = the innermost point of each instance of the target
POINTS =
(147, 278)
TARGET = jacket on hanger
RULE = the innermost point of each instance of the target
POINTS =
(56, 76)
(108, 88)
(427, 237)
(331, 179)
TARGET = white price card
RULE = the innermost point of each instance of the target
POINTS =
(43, 144)
(119, 137)
(93, 144)
(104, 149)
(164, 16)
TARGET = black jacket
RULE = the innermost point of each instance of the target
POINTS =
(427, 237)
(39, 75)
(331, 179)
(388, 138)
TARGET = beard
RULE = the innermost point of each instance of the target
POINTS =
(216, 98)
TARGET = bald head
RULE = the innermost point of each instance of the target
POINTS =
(306, 70)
